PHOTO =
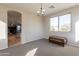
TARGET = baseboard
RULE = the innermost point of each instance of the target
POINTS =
(73, 45)
(33, 40)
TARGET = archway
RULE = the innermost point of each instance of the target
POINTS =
(14, 28)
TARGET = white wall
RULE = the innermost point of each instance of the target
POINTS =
(32, 26)
(3, 28)
(70, 35)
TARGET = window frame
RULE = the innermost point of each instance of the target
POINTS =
(58, 23)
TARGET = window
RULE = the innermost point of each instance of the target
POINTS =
(61, 23)
(65, 23)
(54, 24)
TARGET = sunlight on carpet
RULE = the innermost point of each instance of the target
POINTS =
(31, 52)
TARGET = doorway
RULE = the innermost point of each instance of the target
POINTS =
(14, 28)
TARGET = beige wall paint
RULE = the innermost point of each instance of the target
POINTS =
(32, 25)
(70, 35)
(3, 28)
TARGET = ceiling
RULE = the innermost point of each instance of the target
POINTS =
(34, 7)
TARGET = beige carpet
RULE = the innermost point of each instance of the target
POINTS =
(40, 48)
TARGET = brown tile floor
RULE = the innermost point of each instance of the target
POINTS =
(13, 39)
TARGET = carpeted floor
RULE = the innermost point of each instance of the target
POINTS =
(40, 48)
